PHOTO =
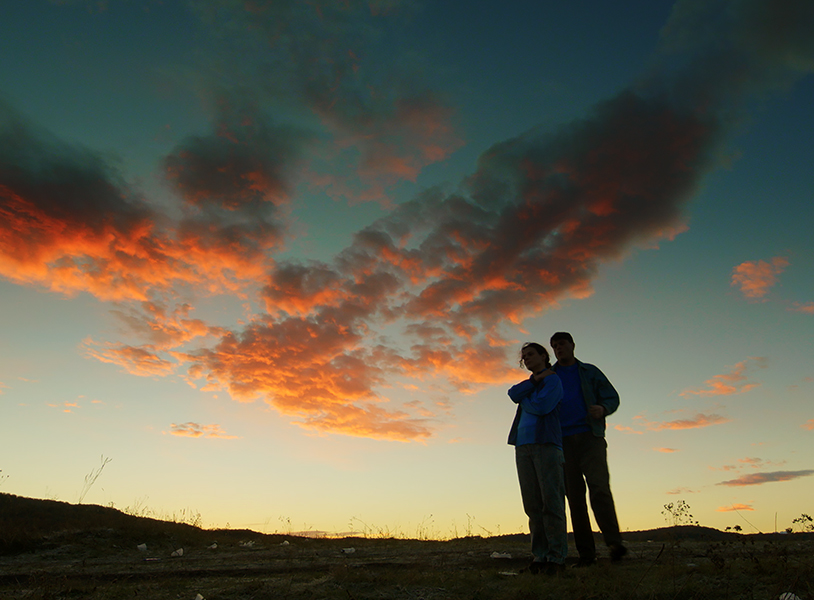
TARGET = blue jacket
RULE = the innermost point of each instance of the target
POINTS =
(596, 389)
(543, 401)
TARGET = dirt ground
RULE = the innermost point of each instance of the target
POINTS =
(100, 564)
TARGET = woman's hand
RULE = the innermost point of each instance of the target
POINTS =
(542, 375)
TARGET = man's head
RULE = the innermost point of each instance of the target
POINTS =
(563, 346)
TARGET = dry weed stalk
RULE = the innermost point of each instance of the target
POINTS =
(91, 478)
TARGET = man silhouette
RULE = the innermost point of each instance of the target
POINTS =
(588, 397)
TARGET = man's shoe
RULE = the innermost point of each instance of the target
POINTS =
(535, 567)
(584, 562)
(617, 551)
(552, 568)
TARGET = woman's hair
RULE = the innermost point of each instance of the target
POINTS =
(540, 349)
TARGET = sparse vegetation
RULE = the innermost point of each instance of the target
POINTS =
(804, 522)
(678, 513)
(57, 550)
(139, 508)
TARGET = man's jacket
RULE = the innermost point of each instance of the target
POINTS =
(596, 389)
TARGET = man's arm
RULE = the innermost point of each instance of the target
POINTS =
(605, 395)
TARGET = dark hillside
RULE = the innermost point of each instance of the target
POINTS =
(28, 524)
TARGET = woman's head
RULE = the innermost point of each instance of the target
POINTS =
(529, 354)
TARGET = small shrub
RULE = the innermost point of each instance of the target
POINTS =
(804, 522)
(679, 513)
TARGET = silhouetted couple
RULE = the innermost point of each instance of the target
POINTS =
(559, 438)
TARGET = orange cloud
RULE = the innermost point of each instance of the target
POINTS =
(734, 508)
(761, 478)
(164, 328)
(665, 450)
(625, 429)
(196, 430)
(730, 383)
(82, 228)
(298, 290)
(468, 368)
(757, 278)
(121, 257)
(317, 371)
(803, 307)
(808, 425)
(698, 421)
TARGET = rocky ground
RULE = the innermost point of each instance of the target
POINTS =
(118, 557)
(92, 565)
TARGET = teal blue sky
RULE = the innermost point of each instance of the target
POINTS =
(276, 261)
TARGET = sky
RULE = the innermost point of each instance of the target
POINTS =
(272, 263)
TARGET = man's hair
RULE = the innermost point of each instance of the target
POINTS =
(561, 335)
(540, 350)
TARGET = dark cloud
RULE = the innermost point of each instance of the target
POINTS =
(535, 221)
(340, 69)
(235, 182)
(244, 162)
(450, 268)
(716, 54)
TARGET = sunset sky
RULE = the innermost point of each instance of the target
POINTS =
(276, 260)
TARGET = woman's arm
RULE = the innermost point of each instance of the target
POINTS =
(543, 398)
(521, 390)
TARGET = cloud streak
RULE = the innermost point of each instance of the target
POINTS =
(699, 421)
(681, 490)
(768, 477)
(196, 430)
(735, 508)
